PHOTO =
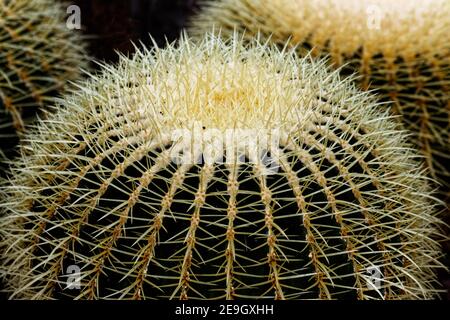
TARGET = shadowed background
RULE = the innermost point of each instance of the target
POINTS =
(112, 24)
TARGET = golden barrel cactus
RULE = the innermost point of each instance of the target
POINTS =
(39, 54)
(218, 170)
(399, 48)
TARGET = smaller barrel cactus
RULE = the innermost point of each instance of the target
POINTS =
(39, 55)
(399, 48)
(218, 170)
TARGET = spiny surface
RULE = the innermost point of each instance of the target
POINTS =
(344, 213)
(401, 48)
(38, 56)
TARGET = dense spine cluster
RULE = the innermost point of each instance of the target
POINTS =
(340, 210)
(38, 56)
(399, 48)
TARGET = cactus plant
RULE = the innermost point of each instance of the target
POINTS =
(335, 207)
(401, 48)
(39, 55)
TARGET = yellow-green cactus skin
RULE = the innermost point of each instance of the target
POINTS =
(39, 55)
(401, 49)
(105, 185)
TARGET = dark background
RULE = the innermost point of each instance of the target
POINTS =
(112, 25)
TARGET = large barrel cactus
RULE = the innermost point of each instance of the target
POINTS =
(400, 48)
(39, 54)
(219, 170)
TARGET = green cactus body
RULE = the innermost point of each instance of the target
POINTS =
(39, 55)
(107, 186)
(400, 48)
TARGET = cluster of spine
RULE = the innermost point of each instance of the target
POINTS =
(38, 56)
(399, 48)
(346, 214)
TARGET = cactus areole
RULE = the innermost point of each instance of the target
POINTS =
(218, 170)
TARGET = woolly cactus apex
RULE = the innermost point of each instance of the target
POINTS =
(326, 203)
(39, 55)
(401, 48)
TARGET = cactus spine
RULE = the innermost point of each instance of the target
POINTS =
(101, 188)
(39, 55)
(400, 48)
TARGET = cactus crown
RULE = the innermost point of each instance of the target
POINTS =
(400, 48)
(39, 55)
(99, 186)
